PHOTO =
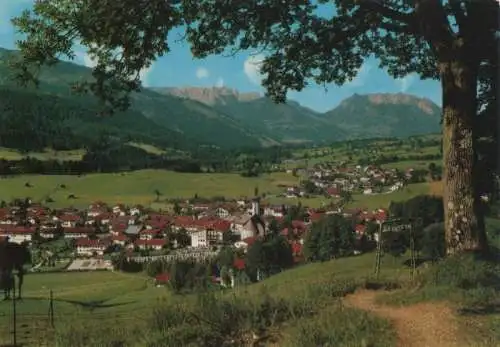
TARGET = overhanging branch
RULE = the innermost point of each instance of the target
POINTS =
(387, 12)
(396, 21)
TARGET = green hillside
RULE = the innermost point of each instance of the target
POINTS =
(386, 115)
(359, 116)
(185, 118)
(31, 121)
(171, 116)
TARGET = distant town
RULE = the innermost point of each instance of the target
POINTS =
(188, 229)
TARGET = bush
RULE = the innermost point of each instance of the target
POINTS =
(466, 272)
(469, 280)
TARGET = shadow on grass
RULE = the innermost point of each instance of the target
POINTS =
(92, 305)
(381, 285)
(490, 309)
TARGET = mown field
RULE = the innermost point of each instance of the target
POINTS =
(77, 154)
(137, 187)
(346, 153)
(371, 201)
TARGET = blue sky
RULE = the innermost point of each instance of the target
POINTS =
(179, 69)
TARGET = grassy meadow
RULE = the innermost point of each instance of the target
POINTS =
(374, 201)
(304, 306)
(47, 154)
(137, 187)
(125, 303)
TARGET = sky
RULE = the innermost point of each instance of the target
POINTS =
(179, 69)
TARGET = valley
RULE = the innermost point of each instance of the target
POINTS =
(190, 117)
(144, 226)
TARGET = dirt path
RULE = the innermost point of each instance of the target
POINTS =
(420, 325)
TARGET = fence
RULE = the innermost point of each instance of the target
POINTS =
(18, 329)
(198, 255)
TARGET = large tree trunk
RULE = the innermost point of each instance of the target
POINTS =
(464, 217)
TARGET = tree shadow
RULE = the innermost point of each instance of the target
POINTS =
(418, 262)
(94, 304)
(90, 305)
(485, 310)
(381, 285)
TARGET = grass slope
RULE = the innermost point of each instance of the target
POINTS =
(110, 306)
(137, 187)
(301, 307)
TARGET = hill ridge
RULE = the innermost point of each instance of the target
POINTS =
(227, 118)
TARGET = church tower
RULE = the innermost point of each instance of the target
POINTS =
(256, 206)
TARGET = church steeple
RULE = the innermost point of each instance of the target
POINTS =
(256, 206)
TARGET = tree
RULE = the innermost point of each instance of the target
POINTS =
(177, 208)
(454, 41)
(157, 194)
(182, 237)
(226, 257)
(255, 262)
(274, 227)
(329, 238)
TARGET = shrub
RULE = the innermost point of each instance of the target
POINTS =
(342, 326)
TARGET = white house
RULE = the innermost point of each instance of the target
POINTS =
(89, 247)
(17, 234)
(77, 233)
(154, 244)
(205, 238)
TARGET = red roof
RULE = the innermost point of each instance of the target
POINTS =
(239, 263)
(69, 217)
(202, 223)
(149, 232)
(360, 228)
(119, 237)
(92, 243)
(152, 242)
(333, 191)
(78, 230)
(14, 229)
(249, 240)
(162, 278)
(296, 248)
(381, 215)
(316, 216)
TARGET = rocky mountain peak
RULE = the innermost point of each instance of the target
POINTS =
(211, 95)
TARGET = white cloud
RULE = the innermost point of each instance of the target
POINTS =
(89, 61)
(202, 72)
(144, 75)
(251, 68)
(405, 83)
(361, 77)
(219, 83)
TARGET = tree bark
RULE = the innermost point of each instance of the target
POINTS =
(464, 216)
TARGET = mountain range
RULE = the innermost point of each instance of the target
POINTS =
(224, 117)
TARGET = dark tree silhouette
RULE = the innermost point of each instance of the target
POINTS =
(13, 256)
(453, 41)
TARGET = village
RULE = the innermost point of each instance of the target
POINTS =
(191, 229)
(188, 231)
(337, 180)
